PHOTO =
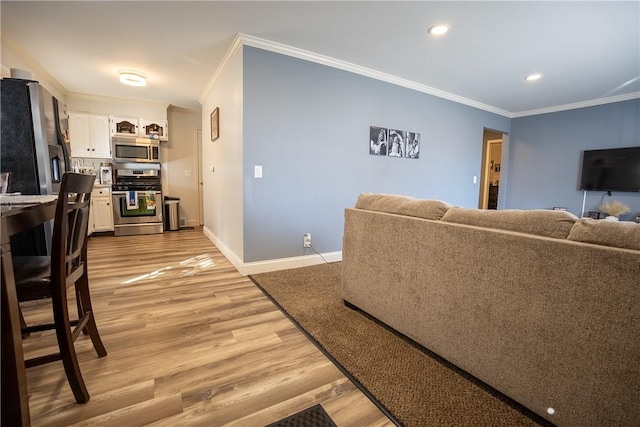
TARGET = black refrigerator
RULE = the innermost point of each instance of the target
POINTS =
(34, 147)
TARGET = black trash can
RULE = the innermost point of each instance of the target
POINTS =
(171, 213)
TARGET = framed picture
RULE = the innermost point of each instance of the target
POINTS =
(377, 141)
(412, 150)
(215, 124)
(396, 143)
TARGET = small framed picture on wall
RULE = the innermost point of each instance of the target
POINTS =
(377, 141)
(215, 124)
(412, 150)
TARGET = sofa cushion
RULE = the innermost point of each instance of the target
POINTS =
(547, 223)
(619, 234)
(402, 205)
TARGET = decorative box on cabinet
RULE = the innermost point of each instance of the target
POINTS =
(101, 207)
(123, 126)
(89, 135)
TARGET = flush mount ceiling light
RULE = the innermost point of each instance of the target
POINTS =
(438, 30)
(133, 78)
(533, 77)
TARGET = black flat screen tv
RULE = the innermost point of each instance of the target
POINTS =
(614, 169)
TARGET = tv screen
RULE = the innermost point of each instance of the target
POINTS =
(615, 169)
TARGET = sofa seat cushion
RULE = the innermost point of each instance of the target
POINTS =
(619, 234)
(546, 223)
(403, 205)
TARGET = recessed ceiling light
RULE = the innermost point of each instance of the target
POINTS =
(533, 77)
(133, 78)
(438, 30)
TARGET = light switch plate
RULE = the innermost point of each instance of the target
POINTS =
(257, 171)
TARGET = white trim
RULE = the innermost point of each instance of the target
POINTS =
(124, 101)
(231, 52)
(576, 105)
(49, 80)
(247, 40)
(287, 263)
(252, 41)
(273, 264)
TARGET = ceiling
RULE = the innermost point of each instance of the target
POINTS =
(587, 51)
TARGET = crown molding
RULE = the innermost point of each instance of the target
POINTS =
(565, 107)
(36, 68)
(101, 98)
(247, 40)
(306, 55)
(235, 47)
(178, 109)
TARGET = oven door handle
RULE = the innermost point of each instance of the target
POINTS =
(120, 193)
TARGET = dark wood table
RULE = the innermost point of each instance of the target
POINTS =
(15, 396)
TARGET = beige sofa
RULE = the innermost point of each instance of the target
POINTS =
(540, 305)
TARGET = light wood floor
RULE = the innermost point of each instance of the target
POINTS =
(190, 342)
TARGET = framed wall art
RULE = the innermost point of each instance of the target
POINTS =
(394, 143)
(215, 124)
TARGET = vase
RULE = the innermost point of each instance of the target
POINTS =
(611, 218)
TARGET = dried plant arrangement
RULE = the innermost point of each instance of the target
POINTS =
(614, 208)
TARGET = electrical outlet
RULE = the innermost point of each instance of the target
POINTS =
(306, 240)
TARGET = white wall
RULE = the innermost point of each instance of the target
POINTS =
(181, 162)
(222, 188)
(117, 106)
(13, 56)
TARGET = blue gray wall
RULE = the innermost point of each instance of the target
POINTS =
(546, 154)
(307, 125)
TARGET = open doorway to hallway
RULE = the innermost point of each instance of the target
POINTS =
(491, 168)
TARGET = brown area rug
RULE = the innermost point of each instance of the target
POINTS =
(314, 416)
(414, 387)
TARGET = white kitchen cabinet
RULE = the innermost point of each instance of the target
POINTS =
(123, 126)
(159, 128)
(90, 227)
(89, 135)
(101, 208)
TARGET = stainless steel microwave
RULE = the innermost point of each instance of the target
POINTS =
(135, 150)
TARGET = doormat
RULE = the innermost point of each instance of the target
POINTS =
(314, 416)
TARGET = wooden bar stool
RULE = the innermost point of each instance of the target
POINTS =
(43, 277)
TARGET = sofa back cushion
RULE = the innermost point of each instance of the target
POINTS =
(403, 205)
(619, 234)
(547, 223)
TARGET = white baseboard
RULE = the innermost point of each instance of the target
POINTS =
(273, 264)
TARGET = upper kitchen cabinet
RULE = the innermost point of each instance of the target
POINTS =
(141, 128)
(156, 129)
(124, 126)
(89, 135)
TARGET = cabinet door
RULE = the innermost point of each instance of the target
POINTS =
(89, 136)
(157, 128)
(100, 136)
(102, 214)
(91, 220)
(80, 135)
(124, 126)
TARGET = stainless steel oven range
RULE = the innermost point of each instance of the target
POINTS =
(137, 199)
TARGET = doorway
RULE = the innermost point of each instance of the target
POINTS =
(491, 169)
(200, 177)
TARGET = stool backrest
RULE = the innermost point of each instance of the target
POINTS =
(68, 248)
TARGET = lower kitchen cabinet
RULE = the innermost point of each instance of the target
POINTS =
(101, 212)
